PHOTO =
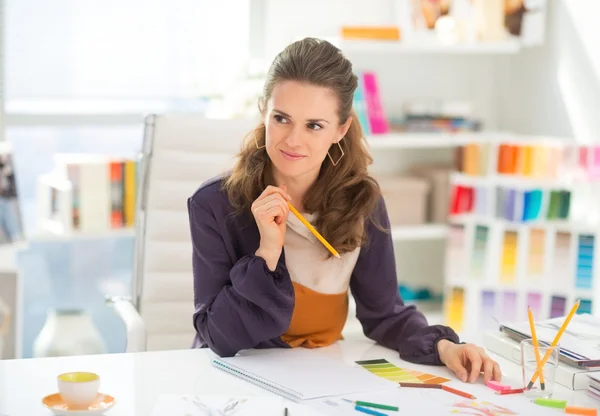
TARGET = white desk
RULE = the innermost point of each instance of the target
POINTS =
(136, 380)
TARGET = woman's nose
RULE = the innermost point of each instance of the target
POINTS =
(294, 137)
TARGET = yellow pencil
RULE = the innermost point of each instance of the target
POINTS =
(315, 232)
(536, 348)
(554, 343)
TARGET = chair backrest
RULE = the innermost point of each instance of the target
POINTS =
(180, 152)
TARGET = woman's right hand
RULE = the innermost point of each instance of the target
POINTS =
(270, 212)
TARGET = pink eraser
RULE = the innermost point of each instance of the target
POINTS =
(497, 386)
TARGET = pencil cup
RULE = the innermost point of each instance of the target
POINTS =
(529, 368)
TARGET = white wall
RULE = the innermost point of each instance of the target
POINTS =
(288, 20)
(402, 77)
(555, 89)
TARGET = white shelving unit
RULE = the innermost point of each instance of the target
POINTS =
(513, 181)
(508, 46)
(420, 232)
(428, 140)
(79, 235)
(514, 261)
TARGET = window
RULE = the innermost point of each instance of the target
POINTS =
(134, 49)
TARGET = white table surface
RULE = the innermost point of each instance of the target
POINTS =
(137, 380)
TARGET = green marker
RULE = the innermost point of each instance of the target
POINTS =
(373, 405)
(557, 404)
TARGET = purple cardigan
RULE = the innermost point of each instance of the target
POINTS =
(241, 304)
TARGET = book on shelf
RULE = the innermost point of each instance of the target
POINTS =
(89, 193)
(368, 106)
(578, 344)
(370, 32)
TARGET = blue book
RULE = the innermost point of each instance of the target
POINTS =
(360, 106)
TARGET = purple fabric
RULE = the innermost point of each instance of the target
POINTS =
(240, 304)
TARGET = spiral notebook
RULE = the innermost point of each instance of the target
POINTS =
(300, 374)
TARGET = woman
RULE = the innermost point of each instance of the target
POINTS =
(261, 279)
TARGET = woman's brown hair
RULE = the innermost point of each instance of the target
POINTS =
(344, 196)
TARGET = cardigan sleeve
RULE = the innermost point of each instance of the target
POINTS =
(237, 306)
(380, 309)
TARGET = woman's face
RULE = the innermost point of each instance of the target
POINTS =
(301, 125)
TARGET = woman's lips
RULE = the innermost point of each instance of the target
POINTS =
(291, 155)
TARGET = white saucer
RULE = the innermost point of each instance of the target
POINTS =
(101, 404)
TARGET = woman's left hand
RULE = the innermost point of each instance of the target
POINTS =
(468, 361)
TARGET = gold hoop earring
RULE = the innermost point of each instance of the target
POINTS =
(257, 146)
(341, 156)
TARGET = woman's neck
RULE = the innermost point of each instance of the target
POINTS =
(296, 187)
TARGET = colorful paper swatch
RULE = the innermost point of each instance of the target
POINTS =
(534, 301)
(557, 306)
(471, 159)
(532, 204)
(481, 204)
(509, 306)
(383, 368)
(480, 408)
(541, 161)
(455, 251)
(479, 249)
(561, 261)
(507, 159)
(463, 199)
(594, 168)
(535, 258)
(508, 269)
(585, 262)
(488, 310)
(585, 306)
(559, 206)
(455, 305)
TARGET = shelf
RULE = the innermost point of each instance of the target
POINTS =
(506, 47)
(512, 181)
(427, 140)
(79, 235)
(419, 232)
(77, 112)
(553, 225)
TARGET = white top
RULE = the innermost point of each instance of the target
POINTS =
(307, 260)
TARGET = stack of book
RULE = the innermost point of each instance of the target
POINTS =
(88, 193)
(594, 388)
(579, 355)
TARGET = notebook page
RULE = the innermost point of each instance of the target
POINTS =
(309, 373)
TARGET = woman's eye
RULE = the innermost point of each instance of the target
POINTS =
(314, 126)
(280, 119)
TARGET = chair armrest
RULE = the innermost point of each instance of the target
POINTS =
(134, 324)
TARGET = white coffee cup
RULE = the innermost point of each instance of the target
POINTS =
(78, 389)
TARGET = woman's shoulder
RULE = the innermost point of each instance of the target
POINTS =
(211, 194)
(378, 220)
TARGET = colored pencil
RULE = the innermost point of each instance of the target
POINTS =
(315, 232)
(373, 405)
(458, 392)
(557, 404)
(587, 411)
(369, 411)
(554, 343)
(421, 385)
(536, 347)
(511, 391)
